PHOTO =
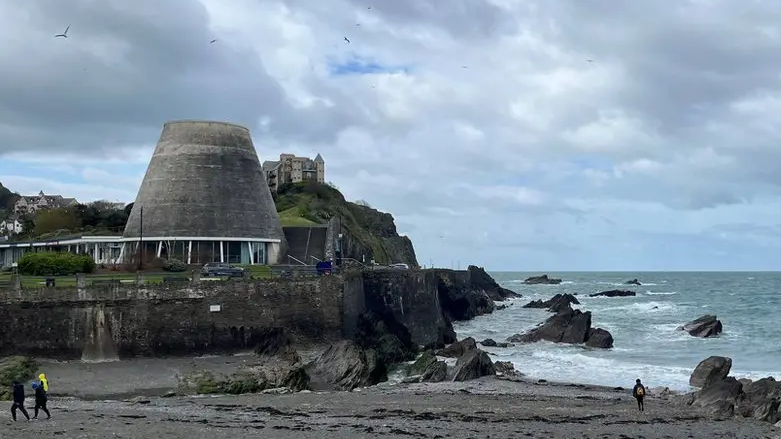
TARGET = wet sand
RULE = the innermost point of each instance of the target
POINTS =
(485, 408)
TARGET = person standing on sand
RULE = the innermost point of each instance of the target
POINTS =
(18, 401)
(639, 393)
(40, 401)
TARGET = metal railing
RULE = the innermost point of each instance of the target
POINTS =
(295, 259)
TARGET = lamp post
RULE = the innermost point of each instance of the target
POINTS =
(141, 240)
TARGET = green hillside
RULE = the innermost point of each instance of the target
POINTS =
(370, 233)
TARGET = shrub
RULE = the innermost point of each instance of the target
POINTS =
(174, 265)
(55, 264)
(15, 369)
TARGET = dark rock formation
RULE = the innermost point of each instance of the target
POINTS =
(632, 282)
(389, 338)
(555, 303)
(481, 280)
(491, 343)
(719, 398)
(345, 366)
(614, 293)
(544, 279)
(760, 400)
(709, 371)
(472, 365)
(421, 364)
(460, 302)
(705, 326)
(506, 368)
(436, 372)
(599, 338)
(566, 326)
(459, 348)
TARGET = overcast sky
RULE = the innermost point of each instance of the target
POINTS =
(518, 135)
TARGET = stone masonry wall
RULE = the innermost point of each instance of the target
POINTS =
(159, 320)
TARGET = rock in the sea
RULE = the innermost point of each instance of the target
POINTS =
(345, 366)
(543, 279)
(599, 338)
(567, 326)
(472, 365)
(614, 293)
(555, 303)
(491, 343)
(705, 326)
(458, 348)
(632, 282)
(709, 371)
(481, 280)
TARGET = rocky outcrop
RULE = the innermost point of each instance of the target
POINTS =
(389, 338)
(345, 366)
(543, 279)
(614, 293)
(12, 369)
(599, 338)
(426, 359)
(556, 303)
(458, 348)
(705, 326)
(277, 366)
(709, 371)
(427, 369)
(436, 372)
(724, 396)
(633, 282)
(719, 398)
(566, 326)
(480, 280)
(760, 400)
(472, 365)
(506, 368)
(491, 343)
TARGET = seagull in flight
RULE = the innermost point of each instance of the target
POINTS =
(64, 34)
(212, 41)
(589, 60)
(347, 39)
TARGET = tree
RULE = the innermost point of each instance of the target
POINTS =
(7, 199)
(52, 220)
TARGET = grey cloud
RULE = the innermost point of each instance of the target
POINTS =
(63, 95)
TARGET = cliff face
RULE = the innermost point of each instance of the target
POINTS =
(368, 234)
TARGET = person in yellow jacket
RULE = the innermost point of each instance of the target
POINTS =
(44, 382)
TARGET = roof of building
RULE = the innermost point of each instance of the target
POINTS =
(204, 180)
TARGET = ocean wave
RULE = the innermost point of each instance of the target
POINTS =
(661, 293)
(643, 307)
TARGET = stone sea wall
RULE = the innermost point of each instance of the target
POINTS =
(114, 321)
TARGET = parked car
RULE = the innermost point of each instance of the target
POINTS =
(400, 266)
(221, 269)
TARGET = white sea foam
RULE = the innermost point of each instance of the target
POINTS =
(661, 293)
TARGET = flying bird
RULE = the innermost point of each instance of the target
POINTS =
(212, 41)
(64, 34)
(589, 60)
(347, 39)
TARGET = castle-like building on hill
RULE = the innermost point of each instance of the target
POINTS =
(292, 169)
(30, 204)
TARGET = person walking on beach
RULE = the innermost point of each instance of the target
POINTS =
(40, 401)
(639, 393)
(18, 401)
(44, 382)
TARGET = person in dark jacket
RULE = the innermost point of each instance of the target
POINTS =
(40, 401)
(639, 393)
(18, 401)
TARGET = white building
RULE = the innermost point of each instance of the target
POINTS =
(10, 227)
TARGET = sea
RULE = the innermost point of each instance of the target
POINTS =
(647, 344)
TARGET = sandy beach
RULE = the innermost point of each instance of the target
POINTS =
(94, 404)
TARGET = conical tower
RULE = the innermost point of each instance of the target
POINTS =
(205, 184)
